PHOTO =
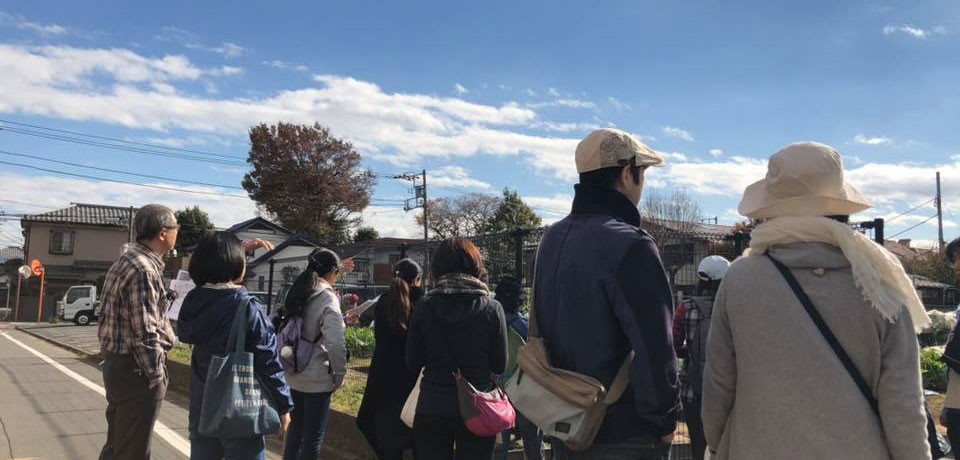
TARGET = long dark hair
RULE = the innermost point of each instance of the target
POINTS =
(399, 301)
(320, 263)
(458, 255)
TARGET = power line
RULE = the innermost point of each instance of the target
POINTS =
(910, 210)
(4, 200)
(147, 176)
(464, 192)
(114, 139)
(131, 149)
(915, 226)
(84, 176)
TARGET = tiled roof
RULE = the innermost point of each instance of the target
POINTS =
(924, 282)
(258, 221)
(349, 250)
(86, 214)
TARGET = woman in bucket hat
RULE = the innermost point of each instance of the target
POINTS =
(775, 385)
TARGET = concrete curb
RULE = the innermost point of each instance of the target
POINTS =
(343, 440)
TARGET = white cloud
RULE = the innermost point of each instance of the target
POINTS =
(716, 152)
(286, 65)
(460, 89)
(618, 104)
(674, 156)
(677, 133)
(553, 92)
(564, 102)
(720, 178)
(392, 222)
(564, 127)
(38, 28)
(401, 128)
(915, 32)
(192, 41)
(225, 71)
(878, 140)
(455, 176)
(550, 208)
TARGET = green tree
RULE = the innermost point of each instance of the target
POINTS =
(365, 234)
(512, 213)
(308, 179)
(194, 222)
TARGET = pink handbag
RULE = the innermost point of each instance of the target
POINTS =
(485, 413)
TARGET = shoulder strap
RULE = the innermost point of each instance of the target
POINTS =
(237, 338)
(532, 329)
(828, 335)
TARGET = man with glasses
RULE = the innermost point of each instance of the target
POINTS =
(135, 335)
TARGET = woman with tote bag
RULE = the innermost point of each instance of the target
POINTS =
(207, 316)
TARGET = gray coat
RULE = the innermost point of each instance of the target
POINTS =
(773, 387)
(328, 365)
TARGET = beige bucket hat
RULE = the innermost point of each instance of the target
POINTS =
(608, 147)
(803, 179)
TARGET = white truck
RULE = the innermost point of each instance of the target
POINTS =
(80, 305)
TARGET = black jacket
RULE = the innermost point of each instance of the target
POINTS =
(388, 384)
(467, 329)
(601, 291)
(205, 320)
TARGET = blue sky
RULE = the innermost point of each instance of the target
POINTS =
(485, 95)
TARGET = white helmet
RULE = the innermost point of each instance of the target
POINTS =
(713, 268)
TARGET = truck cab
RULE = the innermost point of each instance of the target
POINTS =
(79, 304)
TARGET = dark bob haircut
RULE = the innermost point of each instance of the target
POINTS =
(219, 258)
(457, 255)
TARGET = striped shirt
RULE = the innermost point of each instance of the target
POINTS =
(134, 305)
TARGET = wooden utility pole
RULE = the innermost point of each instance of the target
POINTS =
(939, 214)
(426, 236)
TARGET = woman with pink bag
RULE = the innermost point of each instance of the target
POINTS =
(458, 335)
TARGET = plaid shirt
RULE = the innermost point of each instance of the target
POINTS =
(686, 323)
(134, 305)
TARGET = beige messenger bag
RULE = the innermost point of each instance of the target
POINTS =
(566, 405)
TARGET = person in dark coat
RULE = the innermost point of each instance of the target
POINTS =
(206, 317)
(457, 326)
(389, 381)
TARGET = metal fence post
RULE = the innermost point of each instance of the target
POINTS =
(878, 231)
(403, 250)
(518, 235)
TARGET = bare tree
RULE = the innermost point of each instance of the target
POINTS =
(676, 211)
(463, 216)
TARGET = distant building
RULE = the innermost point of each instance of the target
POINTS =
(76, 245)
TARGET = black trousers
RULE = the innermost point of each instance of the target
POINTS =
(447, 438)
(132, 409)
(698, 441)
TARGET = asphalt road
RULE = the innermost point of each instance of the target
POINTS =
(51, 405)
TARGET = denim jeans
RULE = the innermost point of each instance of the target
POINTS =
(204, 448)
(308, 422)
(532, 440)
(634, 449)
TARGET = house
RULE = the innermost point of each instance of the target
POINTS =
(258, 227)
(684, 244)
(272, 269)
(374, 260)
(934, 294)
(76, 245)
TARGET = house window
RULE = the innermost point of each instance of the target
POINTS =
(260, 283)
(61, 242)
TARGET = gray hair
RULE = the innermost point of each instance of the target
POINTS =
(151, 219)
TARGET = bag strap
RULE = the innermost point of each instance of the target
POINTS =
(828, 335)
(237, 340)
(620, 380)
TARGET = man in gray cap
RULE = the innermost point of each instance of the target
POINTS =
(601, 292)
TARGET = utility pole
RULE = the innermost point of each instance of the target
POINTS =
(419, 200)
(939, 214)
(130, 225)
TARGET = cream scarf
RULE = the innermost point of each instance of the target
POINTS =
(877, 272)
